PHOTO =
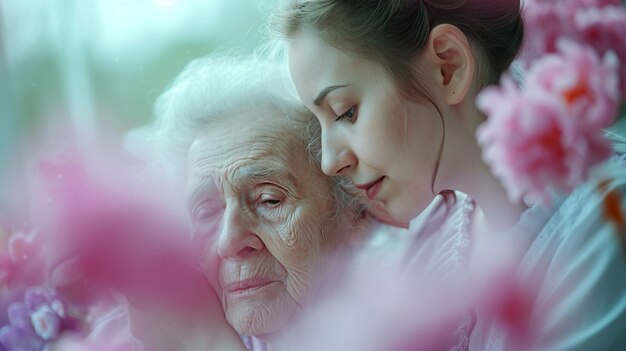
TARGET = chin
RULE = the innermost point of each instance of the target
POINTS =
(403, 212)
(256, 319)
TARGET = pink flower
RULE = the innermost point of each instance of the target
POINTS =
(603, 28)
(549, 134)
(110, 331)
(522, 141)
(597, 23)
(586, 86)
(23, 246)
(544, 23)
(22, 264)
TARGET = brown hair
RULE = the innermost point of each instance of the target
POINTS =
(393, 32)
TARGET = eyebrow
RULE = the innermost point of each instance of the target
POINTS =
(252, 174)
(200, 187)
(322, 95)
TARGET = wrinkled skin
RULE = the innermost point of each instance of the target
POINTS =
(260, 212)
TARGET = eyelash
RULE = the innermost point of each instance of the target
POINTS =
(204, 217)
(270, 201)
(272, 205)
(206, 210)
(347, 116)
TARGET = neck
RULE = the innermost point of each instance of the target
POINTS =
(463, 169)
(499, 213)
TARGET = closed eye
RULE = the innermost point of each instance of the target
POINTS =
(270, 200)
(207, 210)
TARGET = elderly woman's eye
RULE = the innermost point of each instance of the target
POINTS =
(270, 200)
(206, 210)
(204, 213)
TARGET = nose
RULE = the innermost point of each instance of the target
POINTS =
(235, 239)
(337, 157)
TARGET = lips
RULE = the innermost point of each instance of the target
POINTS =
(247, 285)
(371, 188)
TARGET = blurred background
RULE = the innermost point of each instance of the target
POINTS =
(84, 69)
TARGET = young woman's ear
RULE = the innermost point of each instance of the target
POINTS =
(451, 60)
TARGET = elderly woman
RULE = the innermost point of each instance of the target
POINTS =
(266, 221)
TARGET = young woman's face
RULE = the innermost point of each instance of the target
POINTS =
(387, 144)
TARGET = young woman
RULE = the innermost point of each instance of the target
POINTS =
(393, 85)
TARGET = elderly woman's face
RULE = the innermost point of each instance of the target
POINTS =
(260, 212)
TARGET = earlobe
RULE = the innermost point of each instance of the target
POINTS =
(454, 61)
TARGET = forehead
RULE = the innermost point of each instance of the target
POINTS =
(308, 53)
(315, 64)
(249, 145)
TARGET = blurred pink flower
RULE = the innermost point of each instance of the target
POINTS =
(604, 29)
(584, 84)
(522, 140)
(105, 231)
(97, 234)
(22, 265)
(544, 23)
(597, 23)
(549, 134)
(110, 331)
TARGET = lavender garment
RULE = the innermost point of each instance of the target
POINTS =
(434, 250)
(254, 344)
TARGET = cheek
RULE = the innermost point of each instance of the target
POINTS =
(203, 236)
(379, 148)
(208, 262)
(424, 137)
(296, 245)
(380, 133)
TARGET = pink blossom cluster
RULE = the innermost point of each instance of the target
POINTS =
(598, 23)
(89, 241)
(549, 133)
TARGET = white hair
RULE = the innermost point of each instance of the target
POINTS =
(212, 89)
